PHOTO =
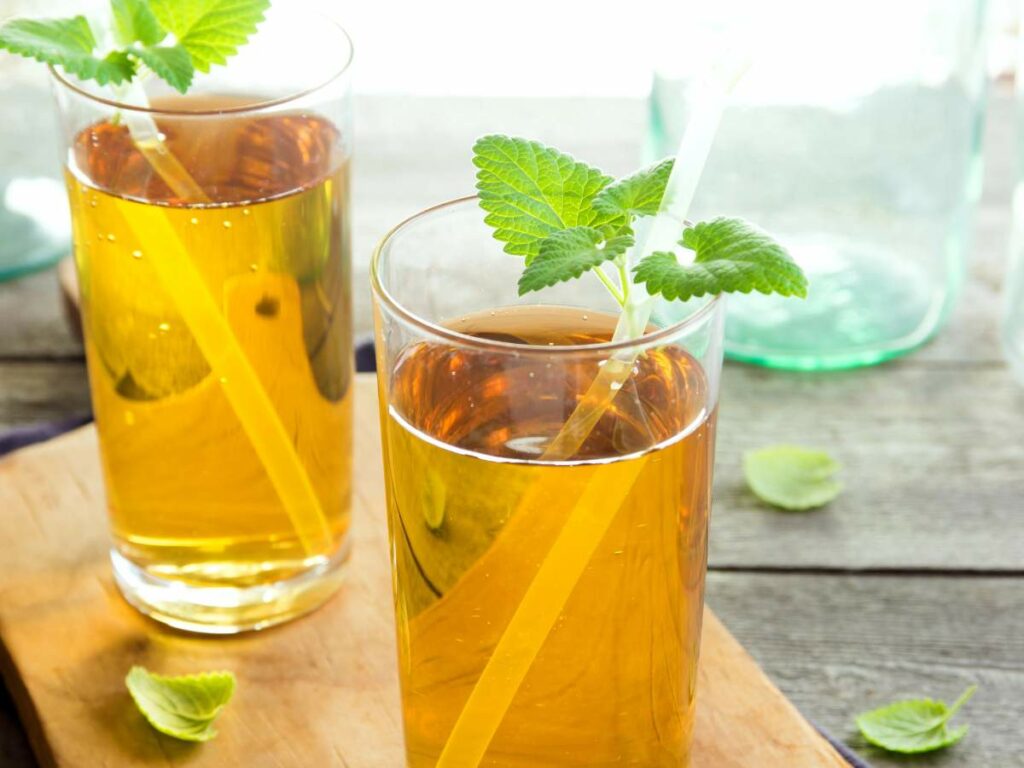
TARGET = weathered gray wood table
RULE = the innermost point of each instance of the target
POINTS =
(912, 583)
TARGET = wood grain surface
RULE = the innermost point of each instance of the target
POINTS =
(321, 691)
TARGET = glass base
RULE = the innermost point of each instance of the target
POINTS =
(227, 610)
(863, 307)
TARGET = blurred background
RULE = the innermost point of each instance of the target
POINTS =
(867, 163)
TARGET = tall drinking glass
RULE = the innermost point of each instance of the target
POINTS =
(211, 235)
(548, 598)
(855, 137)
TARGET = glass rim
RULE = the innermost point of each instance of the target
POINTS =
(436, 329)
(256, 106)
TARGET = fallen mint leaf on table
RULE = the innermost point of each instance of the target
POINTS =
(915, 726)
(183, 707)
(792, 477)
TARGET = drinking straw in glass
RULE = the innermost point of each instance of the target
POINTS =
(587, 569)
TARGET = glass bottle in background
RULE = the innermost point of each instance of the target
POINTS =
(855, 137)
(35, 230)
(1013, 318)
(212, 243)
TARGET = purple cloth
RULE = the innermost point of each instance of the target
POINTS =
(19, 437)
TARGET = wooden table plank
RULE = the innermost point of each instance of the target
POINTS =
(840, 645)
(933, 460)
(37, 391)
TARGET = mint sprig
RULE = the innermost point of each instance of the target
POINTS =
(172, 39)
(569, 253)
(184, 707)
(134, 22)
(530, 191)
(567, 218)
(68, 43)
(730, 256)
(914, 726)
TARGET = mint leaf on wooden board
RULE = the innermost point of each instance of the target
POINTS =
(731, 256)
(530, 191)
(183, 707)
(567, 254)
(134, 22)
(915, 726)
(172, 64)
(210, 30)
(636, 195)
(67, 43)
(792, 477)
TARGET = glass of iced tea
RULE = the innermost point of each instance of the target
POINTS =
(548, 592)
(211, 236)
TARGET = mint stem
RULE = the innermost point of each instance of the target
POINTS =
(617, 294)
(964, 698)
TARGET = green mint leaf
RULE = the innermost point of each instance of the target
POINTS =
(567, 254)
(915, 726)
(530, 191)
(730, 256)
(134, 22)
(183, 707)
(172, 64)
(210, 30)
(67, 43)
(636, 195)
(792, 477)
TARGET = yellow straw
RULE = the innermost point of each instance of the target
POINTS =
(244, 391)
(242, 386)
(537, 613)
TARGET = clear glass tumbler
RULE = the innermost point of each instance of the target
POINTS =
(548, 585)
(211, 236)
(855, 137)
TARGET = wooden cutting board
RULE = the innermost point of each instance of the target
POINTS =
(318, 692)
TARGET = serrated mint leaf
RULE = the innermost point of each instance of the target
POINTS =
(210, 30)
(915, 726)
(134, 22)
(67, 43)
(636, 195)
(567, 254)
(792, 477)
(183, 707)
(172, 64)
(731, 256)
(530, 191)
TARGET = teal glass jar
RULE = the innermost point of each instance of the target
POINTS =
(855, 137)
(35, 226)
(1013, 318)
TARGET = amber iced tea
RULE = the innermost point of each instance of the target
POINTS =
(474, 508)
(191, 497)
